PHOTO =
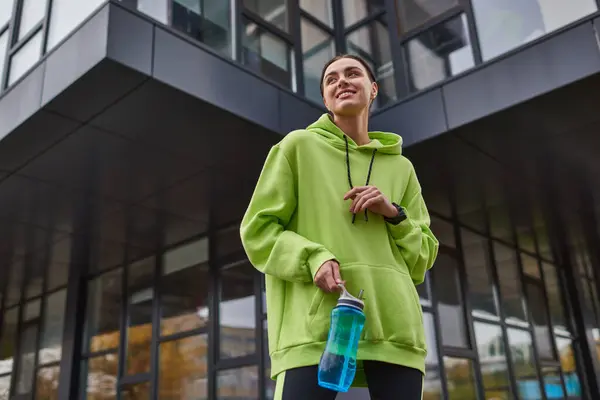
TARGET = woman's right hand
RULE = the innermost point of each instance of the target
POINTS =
(328, 277)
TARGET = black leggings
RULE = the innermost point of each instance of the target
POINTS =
(386, 382)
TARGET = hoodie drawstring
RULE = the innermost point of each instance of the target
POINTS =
(350, 176)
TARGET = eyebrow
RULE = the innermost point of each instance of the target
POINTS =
(345, 70)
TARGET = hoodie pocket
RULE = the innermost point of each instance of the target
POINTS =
(319, 314)
(392, 308)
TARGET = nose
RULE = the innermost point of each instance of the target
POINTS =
(342, 82)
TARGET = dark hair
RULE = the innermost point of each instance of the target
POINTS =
(352, 56)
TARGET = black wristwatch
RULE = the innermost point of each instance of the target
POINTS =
(398, 218)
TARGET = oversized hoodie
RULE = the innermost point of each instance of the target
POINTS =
(297, 219)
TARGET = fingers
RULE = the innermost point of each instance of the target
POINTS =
(354, 191)
(372, 197)
(367, 194)
(328, 276)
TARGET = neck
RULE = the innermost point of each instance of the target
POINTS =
(356, 127)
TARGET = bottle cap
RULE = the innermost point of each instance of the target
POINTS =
(347, 299)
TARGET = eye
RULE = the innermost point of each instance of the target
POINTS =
(330, 80)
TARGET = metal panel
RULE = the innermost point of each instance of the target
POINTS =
(545, 66)
(21, 101)
(82, 51)
(415, 120)
(136, 50)
(296, 113)
(195, 71)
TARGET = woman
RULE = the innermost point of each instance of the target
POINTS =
(338, 204)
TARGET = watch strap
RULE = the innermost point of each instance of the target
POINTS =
(398, 218)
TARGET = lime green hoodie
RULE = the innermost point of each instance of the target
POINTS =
(297, 219)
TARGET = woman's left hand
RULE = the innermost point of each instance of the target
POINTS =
(370, 198)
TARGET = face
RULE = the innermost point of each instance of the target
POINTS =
(347, 89)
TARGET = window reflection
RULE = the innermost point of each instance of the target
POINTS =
(32, 12)
(440, 52)
(555, 300)
(319, 9)
(139, 391)
(237, 310)
(140, 295)
(184, 288)
(238, 384)
(461, 381)
(568, 365)
(103, 312)
(505, 25)
(183, 369)
(8, 340)
(492, 356)
(530, 265)
(510, 284)
(443, 231)
(414, 13)
(266, 53)
(450, 305)
(480, 283)
(521, 350)
(101, 380)
(541, 328)
(25, 58)
(317, 48)
(372, 43)
(66, 15)
(356, 10)
(47, 383)
(432, 385)
(3, 46)
(6, 7)
(4, 387)
(273, 11)
(52, 329)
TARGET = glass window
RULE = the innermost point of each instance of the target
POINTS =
(25, 58)
(496, 202)
(103, 312)
(505, 25)
(6, 8)
(266, 53)
(269, 383)
(66, 15)
(439, 53)
(32, 12)
(424, 291)
(58, 275)
(237, 311)
(555, 300)
(47, 383)
(492, 356)
(414, 13)
(432, 383)
(510, 284)
(4, 387)
(100, 382)
(184, 288)
(52, 328)
(3, 45)
(460, 377)
(25, 374)
(320, 9)
(239, 383)
(273, 11)
(521, 350)
(356, 10)
(443, 231)
(530, 266)
(137, 391)
(479, 280)
(569, 366)
(140, 295)
(552, 383)
(183, 369)
(8, 340)
(372, 43)
(317, 48)
(450, 304)
(15, 279)
(541, 328)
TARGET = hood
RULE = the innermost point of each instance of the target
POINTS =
(384, 142)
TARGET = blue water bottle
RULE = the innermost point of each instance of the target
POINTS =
(338, 362)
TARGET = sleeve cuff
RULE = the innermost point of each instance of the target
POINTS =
(318, 258)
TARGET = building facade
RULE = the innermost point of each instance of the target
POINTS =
(133, 131)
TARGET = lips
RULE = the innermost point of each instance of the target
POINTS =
(345, 93)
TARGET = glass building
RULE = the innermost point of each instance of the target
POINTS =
(132, 133)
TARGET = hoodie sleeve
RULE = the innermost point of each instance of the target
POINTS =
(417, 243)
(271, 248)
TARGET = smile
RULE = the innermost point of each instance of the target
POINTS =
(345, 94)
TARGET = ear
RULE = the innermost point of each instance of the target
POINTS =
(374, 90)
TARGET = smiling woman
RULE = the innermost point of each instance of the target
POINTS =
(301, 231)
